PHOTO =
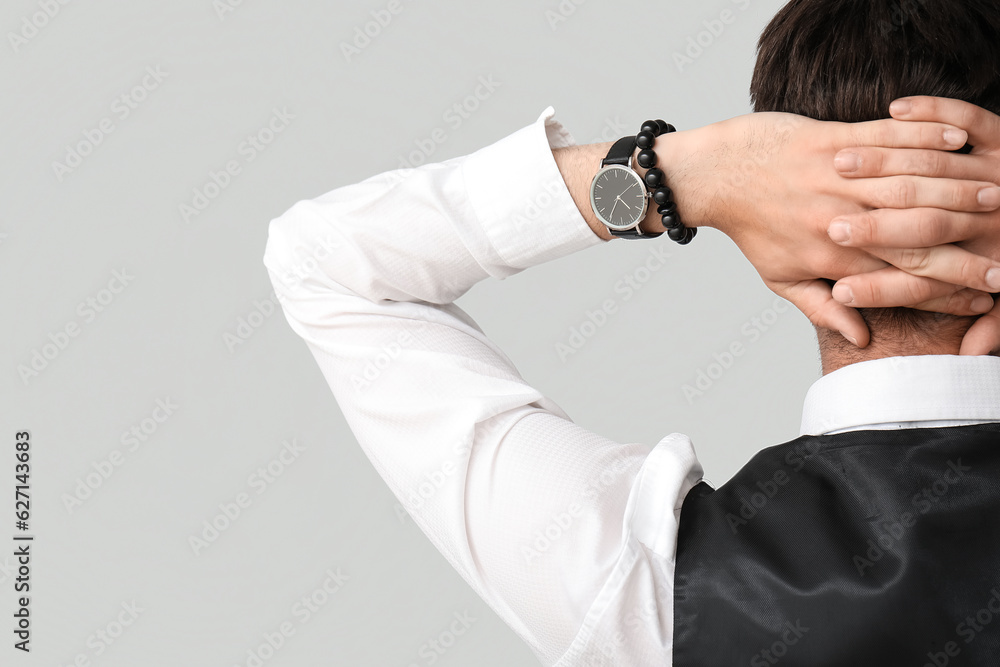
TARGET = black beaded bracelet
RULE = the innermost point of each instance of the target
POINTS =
(656, 181)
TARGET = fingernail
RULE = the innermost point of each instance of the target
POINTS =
(850, 338)
(900, 107)
(843, 293)
(993, 278)
(983, 303)
(955, 137)
(989, 197)
(840, 231)
(847, 162)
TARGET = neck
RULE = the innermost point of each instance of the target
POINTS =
(835, 354)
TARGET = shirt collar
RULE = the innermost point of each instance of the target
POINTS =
(925, 389)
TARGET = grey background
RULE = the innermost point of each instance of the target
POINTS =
(605, 68)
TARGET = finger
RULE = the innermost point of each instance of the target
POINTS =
(919, 191)
(893, 133)
(947, 263)
(907, 228)
(814, 299)
(958, 303)
(874, 162)
(983, 337)
(983, 127)
(892, 287)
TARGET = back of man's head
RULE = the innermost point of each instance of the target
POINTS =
(847, 60)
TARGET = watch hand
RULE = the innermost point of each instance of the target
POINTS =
(617, 199)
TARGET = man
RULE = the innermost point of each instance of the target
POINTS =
(570, 536)
(874, 538)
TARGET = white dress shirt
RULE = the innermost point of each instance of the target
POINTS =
(568, 536)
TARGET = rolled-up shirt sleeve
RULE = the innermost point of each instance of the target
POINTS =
(532, 510)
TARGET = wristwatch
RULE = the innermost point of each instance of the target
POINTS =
(618, 195)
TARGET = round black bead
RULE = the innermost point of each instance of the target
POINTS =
(665, 127)
(663, 195)
(647, 159)
(654, 177)
(671, 221)
(677, 234)
(645, 139)
(652, 127)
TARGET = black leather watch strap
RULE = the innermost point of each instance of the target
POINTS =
(633, 234)
(620, 152)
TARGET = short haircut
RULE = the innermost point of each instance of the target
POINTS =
(847, 60)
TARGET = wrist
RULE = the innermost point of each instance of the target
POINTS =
(578, 165)
(678, 155)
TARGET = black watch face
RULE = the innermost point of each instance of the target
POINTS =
(618, 197)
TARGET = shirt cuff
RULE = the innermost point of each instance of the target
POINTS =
(522, 201)
(669, 472)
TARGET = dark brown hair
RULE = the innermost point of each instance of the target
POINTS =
(847, 60)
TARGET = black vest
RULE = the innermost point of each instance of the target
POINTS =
(863, 549)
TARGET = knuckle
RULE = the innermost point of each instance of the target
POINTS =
(968, 116)
(954, 303)
(914, 291)
(866, 291)
(814, 314)
(881, 162)
(972, 271)
(914, 163)
(923, 261)
(965, 197)
(938, 308)
(930, 136)
(898, 194)
(928, 105)
(914, 260)
(930, 164)
(864, 228)
(906, 288)
(906, 193)
(959, 302)
(929, 227)
(873, 161)
(876, 133)
(909, 289)
(883, 134)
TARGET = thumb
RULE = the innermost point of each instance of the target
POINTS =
(983, 337)
(815, 299)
